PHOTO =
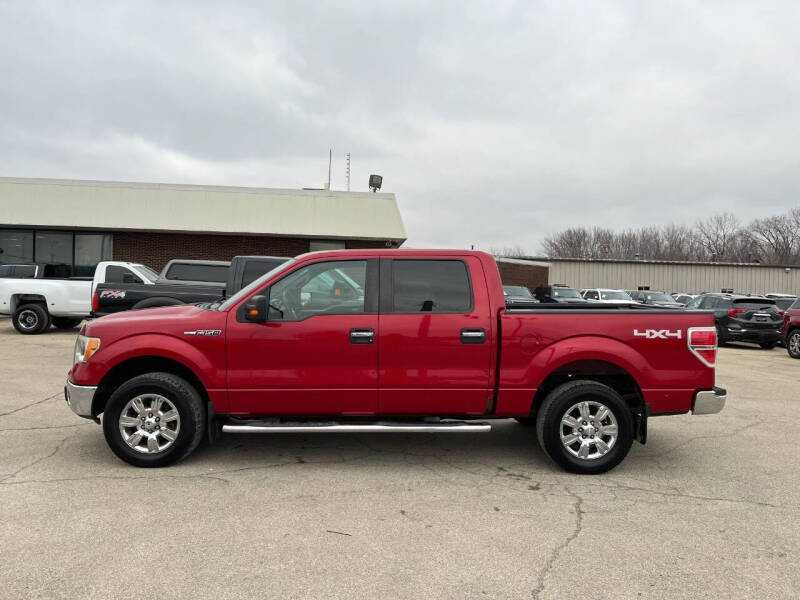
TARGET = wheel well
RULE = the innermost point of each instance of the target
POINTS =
(18, 300)
(137, 366)
(615, 377)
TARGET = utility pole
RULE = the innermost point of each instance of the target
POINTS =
(348, 171)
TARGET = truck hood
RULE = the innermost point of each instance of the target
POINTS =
(172, 320)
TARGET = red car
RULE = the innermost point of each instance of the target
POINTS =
(390, 341)
(790, 330)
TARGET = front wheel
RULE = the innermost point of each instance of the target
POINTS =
(154, 420)
(586, 427)
(30, 319)
(793, 343)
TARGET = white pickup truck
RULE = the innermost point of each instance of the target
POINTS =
(52, 297)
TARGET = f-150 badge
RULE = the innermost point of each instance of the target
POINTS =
(657, 334)
(211, 332)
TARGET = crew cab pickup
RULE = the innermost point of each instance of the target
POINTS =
(390, 341)
(242, 270)
(52, 296)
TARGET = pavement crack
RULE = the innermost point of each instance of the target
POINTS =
(58, 447)
(21, 408)
(579, 512)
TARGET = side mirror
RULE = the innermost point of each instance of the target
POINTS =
(255, 309)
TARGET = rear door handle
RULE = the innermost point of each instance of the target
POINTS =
(473, 336)
(362, 336)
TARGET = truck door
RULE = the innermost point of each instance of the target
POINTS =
(435, 337)
(317, 353)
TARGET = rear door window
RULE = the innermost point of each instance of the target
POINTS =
(193, 272)
(437, 286)
(117, 274)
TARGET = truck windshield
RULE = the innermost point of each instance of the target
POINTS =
(147, 272)
(614, 295)
(246, 291)
(518, 291)
(565, 293)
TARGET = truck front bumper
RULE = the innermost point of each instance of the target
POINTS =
(79, 398)
(710, 402)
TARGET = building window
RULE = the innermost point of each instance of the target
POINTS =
(90, 249)
(16, 246)
(317, 245)
(54, 247)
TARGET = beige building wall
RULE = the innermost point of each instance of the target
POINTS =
(676, 277)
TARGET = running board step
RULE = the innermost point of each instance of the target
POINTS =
(376, 427)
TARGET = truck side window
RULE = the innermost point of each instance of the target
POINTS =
(326, 288)
(439, 286)
(197, 272)
(117, 274)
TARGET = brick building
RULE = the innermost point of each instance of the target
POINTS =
(528, 273)
(82, 222)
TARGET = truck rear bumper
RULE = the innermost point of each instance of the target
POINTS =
(79, 398)
(709, 402)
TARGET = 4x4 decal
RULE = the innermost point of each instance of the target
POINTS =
(658, 334)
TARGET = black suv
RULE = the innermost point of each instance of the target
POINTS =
(742, 318)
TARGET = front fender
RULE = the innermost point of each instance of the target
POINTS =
(204, 357)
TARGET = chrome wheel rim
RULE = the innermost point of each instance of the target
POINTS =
(28, 320)
(149, 423)
(794, 342)
(588, 430)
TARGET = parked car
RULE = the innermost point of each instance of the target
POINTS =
(241, 271)
(790, 329)
(53, 297)
(558, 293)
(606, 296)
(682, 298)
(784, 303)
(389, 340)
(740, 318)
(518, 295)
(652, 298)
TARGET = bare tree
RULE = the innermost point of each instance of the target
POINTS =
(717, 235)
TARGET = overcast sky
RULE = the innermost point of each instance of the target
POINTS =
(495, 123)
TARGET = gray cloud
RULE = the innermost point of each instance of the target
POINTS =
(495, 123)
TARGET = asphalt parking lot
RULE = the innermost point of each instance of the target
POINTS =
(708, 507)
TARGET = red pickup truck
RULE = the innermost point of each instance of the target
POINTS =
(390, 341)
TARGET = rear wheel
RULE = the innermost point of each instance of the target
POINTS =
(30, 319)
(584, 426)
(154, 420)
(768, 345)
(793, 343)
(720, 338)
(65, 322)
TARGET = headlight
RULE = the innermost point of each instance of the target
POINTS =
(85, 347)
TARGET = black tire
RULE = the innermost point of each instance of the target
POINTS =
(30, 319)
(793, 340)
(181, 394)
(768, 345)
(556, 405)
(526, 421)
(720, 338)
(66, 322)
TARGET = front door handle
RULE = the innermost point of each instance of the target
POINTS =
(473, 336)
(362, 336)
